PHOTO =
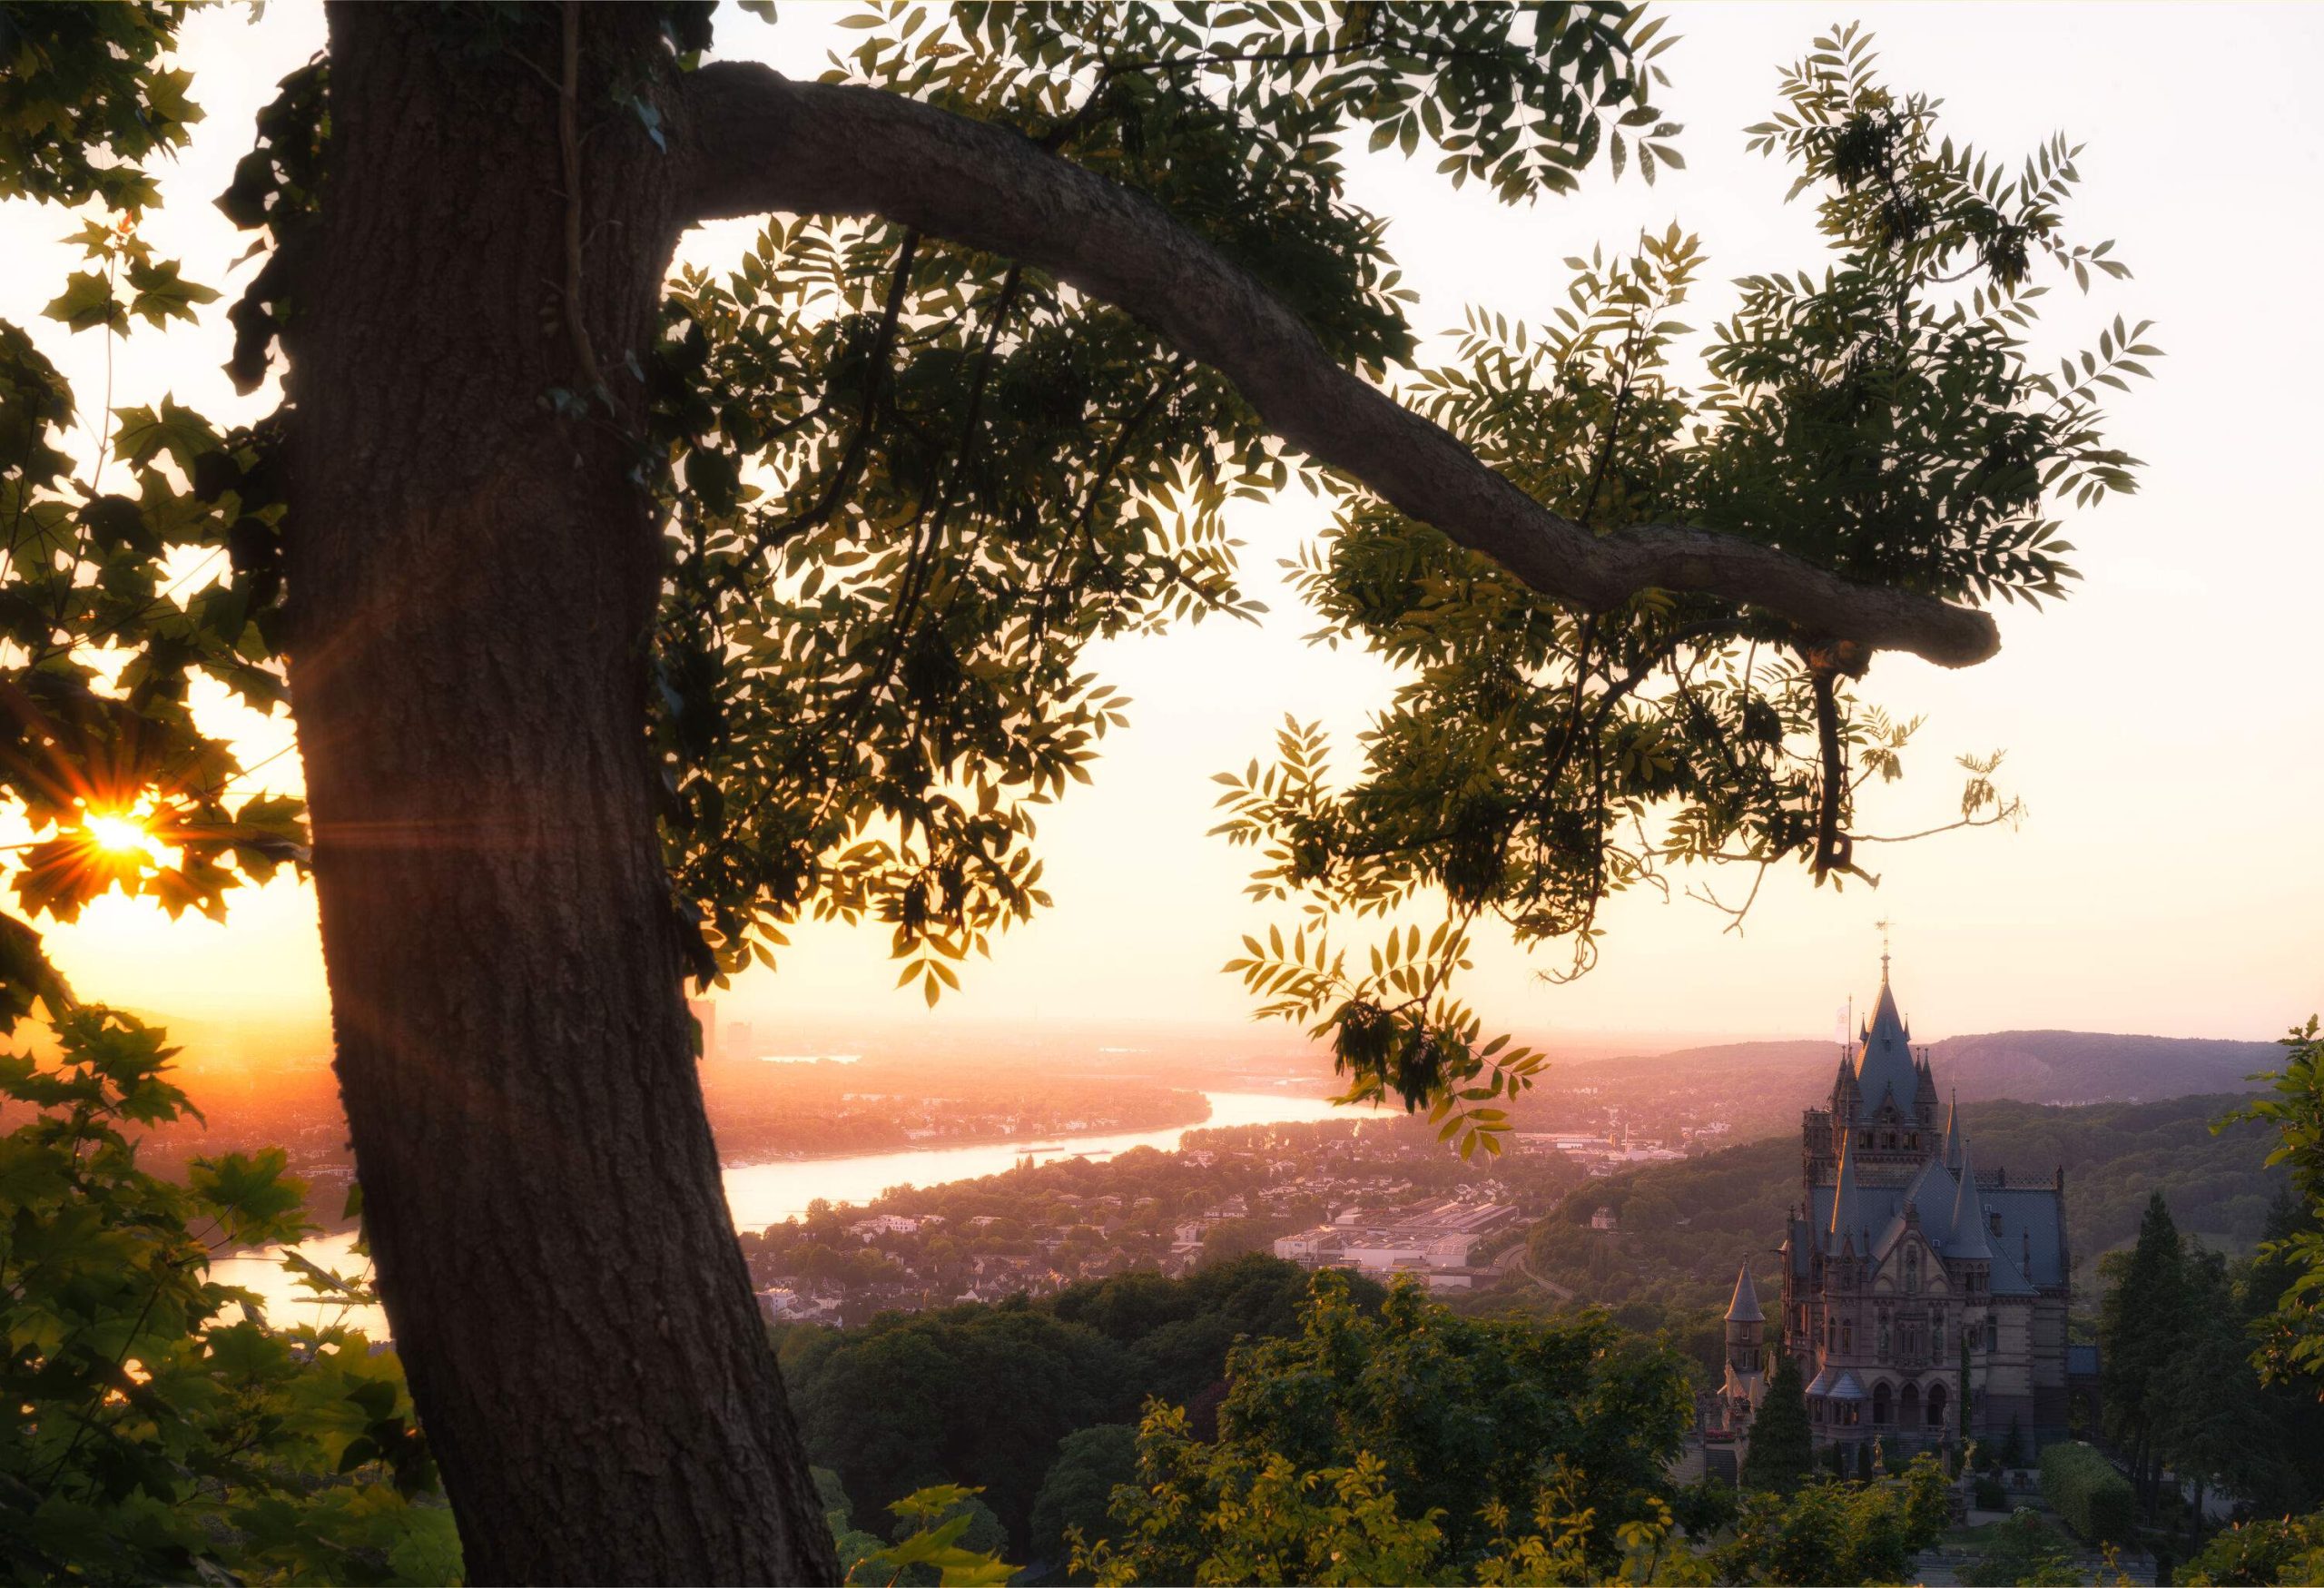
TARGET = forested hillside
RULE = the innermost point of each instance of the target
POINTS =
(1684, 1226)
(983, 1395)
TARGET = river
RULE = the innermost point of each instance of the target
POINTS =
(760, 1194)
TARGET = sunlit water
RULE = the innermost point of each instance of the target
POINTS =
(760, 1194)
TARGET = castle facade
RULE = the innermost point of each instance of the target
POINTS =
(1911, 1277)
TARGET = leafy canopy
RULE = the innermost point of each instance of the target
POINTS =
(1881, 419)
(904, 485)
(153, 1438)
(2291, 1342)
(1418, 1447)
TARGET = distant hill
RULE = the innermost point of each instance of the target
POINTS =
(2033, 1067)
(1684, 1225)
(1759, 1088)
(2091, 1067)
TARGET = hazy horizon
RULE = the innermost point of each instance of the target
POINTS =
(261, 1042)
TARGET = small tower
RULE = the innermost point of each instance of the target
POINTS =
(1747, 1376)
(1925, 1098)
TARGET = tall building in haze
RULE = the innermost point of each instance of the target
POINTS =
(1910, 1276)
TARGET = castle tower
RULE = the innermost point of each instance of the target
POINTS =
(1747, 1380)
(1898, 1256)
(1884, 1106)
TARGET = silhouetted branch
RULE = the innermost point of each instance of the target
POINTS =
(762, 143)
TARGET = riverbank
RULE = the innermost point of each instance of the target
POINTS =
(1193, 1119)
(759, 1195)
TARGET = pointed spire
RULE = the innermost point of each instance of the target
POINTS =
(1887, 1021)
(1887, 1071)
(1952, 1132)
(1844, 1210)
(1967, 1238)
(1745, 1307)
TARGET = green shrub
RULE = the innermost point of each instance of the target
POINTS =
(2023, 1551)
(2083, 1487)
(151, 1440)
(2289, 1549)
(1991, 1495)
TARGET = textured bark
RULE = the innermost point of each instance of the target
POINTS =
(473, 580)
(765, 143)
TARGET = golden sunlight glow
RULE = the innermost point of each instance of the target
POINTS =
(118, 834)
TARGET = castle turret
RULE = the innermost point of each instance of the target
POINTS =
(1746, 1359)
(1847, 1102)
(1965, 1242)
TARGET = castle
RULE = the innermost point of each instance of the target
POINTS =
(1909, 1275)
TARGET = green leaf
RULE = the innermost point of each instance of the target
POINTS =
(87, 302)
(162, 295)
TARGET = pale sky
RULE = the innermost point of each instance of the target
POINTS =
(2165, 726)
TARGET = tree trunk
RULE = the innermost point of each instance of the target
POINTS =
(474, 580)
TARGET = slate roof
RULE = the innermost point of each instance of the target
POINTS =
(2033, 1231)
(1884, 1069)
(2027, 1255)
(2030, 1217)
(1964, 1237)
(1745, 1305)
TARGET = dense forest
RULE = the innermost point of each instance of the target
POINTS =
(1682, 1226)
(981, 1394)
(1256, 1424)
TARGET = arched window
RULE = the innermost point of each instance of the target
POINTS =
(1993, 1333)
(1936, 1406)
(1912, 1270)
(1908, 1406)
(1880, 1406)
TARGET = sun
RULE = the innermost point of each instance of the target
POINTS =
(118, 834)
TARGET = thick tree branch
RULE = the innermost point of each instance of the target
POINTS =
(762, 143)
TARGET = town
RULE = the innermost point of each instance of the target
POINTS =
(1377, 1196)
